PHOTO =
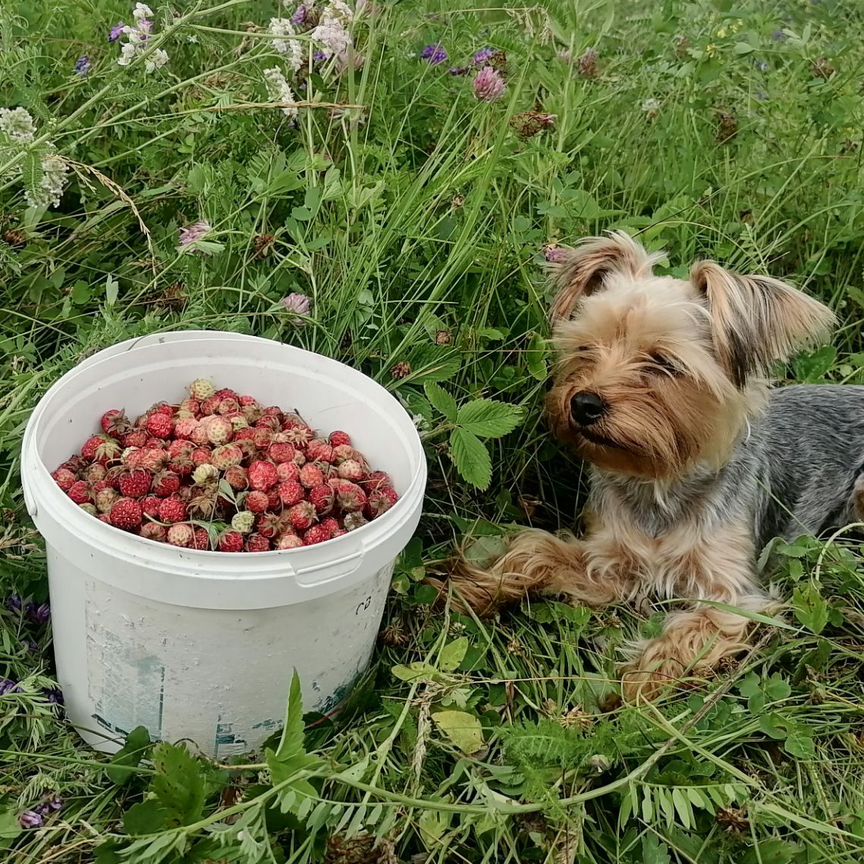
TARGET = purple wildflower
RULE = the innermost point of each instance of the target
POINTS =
(54, 695)
(116, 32)
(31, 819)
(489, 86)
(54, 804)
(779, 36)
(434, 54)
(82, 66)
(297, 304)
(7, 685)
(320, 56)
(40, 614)
(193, 233)
(483, 56)
(554, 254)
(14, 603)
(300, 16)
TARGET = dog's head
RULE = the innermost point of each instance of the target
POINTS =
(655, 374)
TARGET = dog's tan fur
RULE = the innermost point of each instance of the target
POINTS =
(680, 365)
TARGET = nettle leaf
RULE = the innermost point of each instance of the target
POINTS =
(462, 728)
(810, 607)
(178, 784)
(471, 458)
(487, 418)
(441, 400)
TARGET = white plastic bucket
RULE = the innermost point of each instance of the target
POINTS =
(202, 645)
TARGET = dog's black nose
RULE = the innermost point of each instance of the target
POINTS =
(587, 408)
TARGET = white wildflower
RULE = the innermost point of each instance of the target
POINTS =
(331, 34)
(156, 60)
(128, 50)
(292, 48)
(51, 185)
(280, 90)
(17, 124)
(651, 107)
(340, 10)
(141, 11)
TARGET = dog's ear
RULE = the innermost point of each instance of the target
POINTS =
(756, 320)
(581, 270)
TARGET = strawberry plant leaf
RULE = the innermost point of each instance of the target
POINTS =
(471, 458)
(441, 400)
(487, 418)
(178, 784)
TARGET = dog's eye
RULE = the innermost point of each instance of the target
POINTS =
(662, 364)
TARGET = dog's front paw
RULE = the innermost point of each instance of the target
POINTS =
(656, 670)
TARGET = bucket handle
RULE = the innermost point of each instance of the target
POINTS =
(328, 571)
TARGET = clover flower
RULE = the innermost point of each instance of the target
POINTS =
(489, 86)
(194, 232)
(298, 304)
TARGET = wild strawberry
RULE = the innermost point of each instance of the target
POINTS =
(279, 453)
(201, 389)
(227, 393)
(115, 423)
(248, 400)
(160, 425)
(262, 437)
(182, 464)
(377, 480)
(290, 492)
(243, 521)
(64, 478)
(337, 438)
(103, 484)
(147, 459)
(247, 433)
(287, 471)
(318, 450)
(166, 483)
(250, 451)
(100, 448)
(185, 428)
(349, 496)
(190, 407)
(274, 501)
(231, 541)
(252, 413)
(201, 456)
(299, 435)
(126, 514)
(257, 543)
(341, 452)
(262, 475)
(104, 499)
(202, 539)
(172, 510)
(136, 438)
(182, 534)
(94, 473)
(316, 534)
(74, 464)
(311, 475)
(135, 483)
(91, 509)
(199, 435)
(210, 405)
(204, 474)
(150, 505)
(353, 521)
(219, 430)
(380, 501)
(79, 492)
(229, 405)
(154, 531)
(351, 469)
(162, 408)
(322, 498)
(227, 456)
(301, 516)
(237, 421)
(237, 478)
(256, 501)
(331, 524)
(184, 493)
(337, 532)
(289, 541)
(270, 525)
(202, 503)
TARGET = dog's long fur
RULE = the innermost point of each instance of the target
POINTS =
(695, 463)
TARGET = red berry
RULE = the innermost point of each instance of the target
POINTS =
(231, 541)
(115, 423)
(135, 483)
(166, 483)
(202, 539)
(237, 478)
(201, 456)
(311, 475)
(126, 514)
(343, 452)
(185, 428)
(318, 450)
(301, 516)
(257, 543)
(191, 406)
(159, 425)
(64, 478)
(182, 534)
(229, 405)
(291, 492)
(150, 506)
(172, 510)
(287, 471)
(154, 531)
(161, 408)
(289, 541)
(377, 480)
(349, 496)
(257, 502)
(316, 534)
(247, 433)
(199, 435)
(94, 473)
(262, 475)
(274, 501)
(332, 525)
(247, 400)
(262, 437)
(351, 469)
(210, 405)
(79, 492)
(227, 456)
(380, 501)
(282, 453)
(337, 438)
(322, 498)
(136, 438)
(100, 448)
(270, 525)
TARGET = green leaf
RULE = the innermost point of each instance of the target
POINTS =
(654, 850)
(126, 760)
(774, 725)
(111, 290)
(463, 729)
(489, 419)
(810, 607)
(437, 367)
(419, 670)
(32, 171)
(10, 827)
(291, 743)
(777, 688)
(148, 817)
(811, 368)
(743, 48)
(452, 654)
(471, 458)
(178, 784)
(535, 358)
(441, 400)
(799, 744)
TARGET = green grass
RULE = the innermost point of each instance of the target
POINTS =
(417, 222)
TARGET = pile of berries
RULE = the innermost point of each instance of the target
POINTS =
(220, 471)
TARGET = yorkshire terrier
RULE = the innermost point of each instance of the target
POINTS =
(660, 385)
